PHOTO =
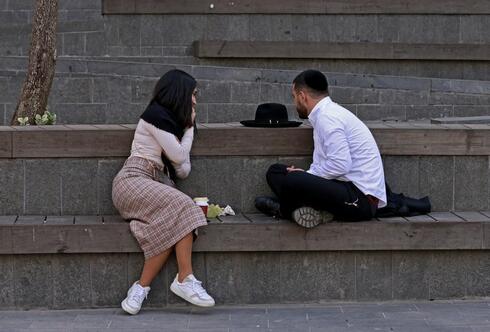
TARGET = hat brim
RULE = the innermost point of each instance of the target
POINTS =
(282, 124)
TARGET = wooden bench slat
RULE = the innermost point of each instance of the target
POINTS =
(259, 234)
(421, 218)
(238, 219)
(88, 220)
(339, 50)
(259, 218)
(7, 220)
(392, 139)
(472, 216)
(446, 216)
(316, 7)
(60, 220)
(392, 219)
(486, 213)
(113, 220)
(30, 220)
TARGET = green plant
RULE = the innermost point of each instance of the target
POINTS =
(23, 121)
(47, 118)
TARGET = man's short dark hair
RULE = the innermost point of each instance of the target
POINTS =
(312, 80)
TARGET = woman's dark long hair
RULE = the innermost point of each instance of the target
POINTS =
(174, 91)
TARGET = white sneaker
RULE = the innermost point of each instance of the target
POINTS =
(136, 295)
(309, 217)
(192, 291)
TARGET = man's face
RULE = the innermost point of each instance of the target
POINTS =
(300, 103)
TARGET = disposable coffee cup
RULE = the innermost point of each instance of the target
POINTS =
(202, 202)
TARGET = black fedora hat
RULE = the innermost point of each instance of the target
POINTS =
(271, 115)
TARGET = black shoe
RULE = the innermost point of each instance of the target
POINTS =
(268, 205)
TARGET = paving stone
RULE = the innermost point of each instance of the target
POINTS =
(111, 90)
(71, 90)
(429, 112)
(227, 27)
(73, 43)
(436, 181)
(447, 275)
(95, 44)
(218, 113)
(71, 281)
(214, 92)
(245, 93)
(149, 25)
(402, 174)
(7, 299)
(79, 187)
(271, 27)
(317, 277)
(109, 279)
(374, 276)
(227, 74)
(471, 172)
(254, 181)
(275, 93)
(42, 187)
(409, 269)
(381, 112)
(195, 185)
(106, 172)
(349, 95)
(33, 282)
(183, 29)
(80, 113)
(11, 187)
(478, 276)
(258, 280)
(225, 172)
(124, 113)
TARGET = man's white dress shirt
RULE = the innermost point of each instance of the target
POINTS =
(345, 149)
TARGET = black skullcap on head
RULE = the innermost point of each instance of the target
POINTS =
(312, 79)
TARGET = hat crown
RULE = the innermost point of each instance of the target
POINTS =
(271, 112)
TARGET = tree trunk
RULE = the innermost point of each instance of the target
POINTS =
(42, 60)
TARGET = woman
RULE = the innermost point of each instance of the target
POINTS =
(162, 217)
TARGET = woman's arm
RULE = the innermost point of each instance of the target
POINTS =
(177, 152)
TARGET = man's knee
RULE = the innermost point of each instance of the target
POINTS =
(276, 169)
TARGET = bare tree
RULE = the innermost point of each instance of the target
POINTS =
(42, 60)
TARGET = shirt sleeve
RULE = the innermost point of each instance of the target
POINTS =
(336, 148)
(177, 152)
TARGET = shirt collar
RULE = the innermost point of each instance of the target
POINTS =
(316, 109)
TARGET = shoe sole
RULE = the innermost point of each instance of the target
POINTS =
(177, 292)
(128, 309)
(308, 217)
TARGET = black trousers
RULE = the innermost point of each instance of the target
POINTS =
(296, 189)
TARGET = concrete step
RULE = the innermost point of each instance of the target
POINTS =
(69, 169)
(95, 90)
(80, 262)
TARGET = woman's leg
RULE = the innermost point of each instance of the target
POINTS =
(152, 267)
(183, 251)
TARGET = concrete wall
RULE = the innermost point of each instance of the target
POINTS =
(108, 64)
(113, 91)
(101, 280)
(83, 186)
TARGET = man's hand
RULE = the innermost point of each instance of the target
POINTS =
(294, 169)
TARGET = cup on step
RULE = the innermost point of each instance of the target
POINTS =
(202, 202)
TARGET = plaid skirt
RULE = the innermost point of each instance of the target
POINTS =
(159, 215)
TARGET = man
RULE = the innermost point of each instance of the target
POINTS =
(346, 178)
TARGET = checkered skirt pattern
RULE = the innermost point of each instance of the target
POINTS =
(159, 215)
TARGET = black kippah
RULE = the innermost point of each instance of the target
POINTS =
(316, 80)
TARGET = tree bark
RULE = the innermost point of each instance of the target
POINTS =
(42, 60)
